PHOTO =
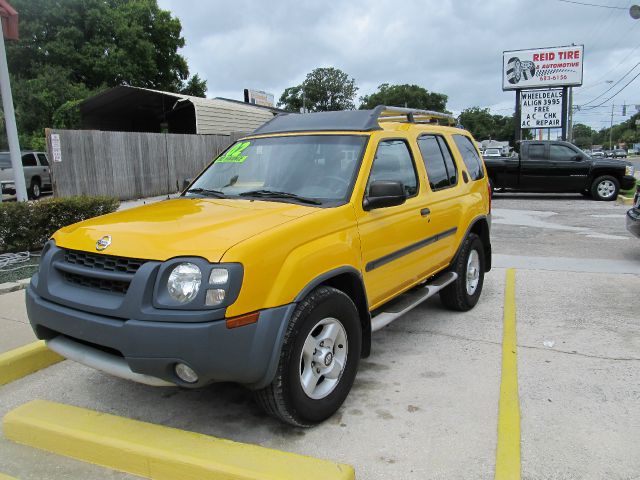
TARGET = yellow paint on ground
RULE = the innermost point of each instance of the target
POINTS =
(23, 361)
(154, 451)
(6, 477)
(508, 449)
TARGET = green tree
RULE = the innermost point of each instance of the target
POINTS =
(70, 49)
(412, 96)
(583, 135)
(195, 86)
(324, 89)
(483, 125)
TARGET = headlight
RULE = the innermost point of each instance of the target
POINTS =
(629, 170)
(184, 282)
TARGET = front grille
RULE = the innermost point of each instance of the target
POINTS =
(115, 286)
(103, 262)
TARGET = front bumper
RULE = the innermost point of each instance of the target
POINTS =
(628, 182)
(247, 355)
(633, 221)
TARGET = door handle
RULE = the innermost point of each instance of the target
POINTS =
(424, 212)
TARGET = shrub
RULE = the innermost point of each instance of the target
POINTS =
(28, 225)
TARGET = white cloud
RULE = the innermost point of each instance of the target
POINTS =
(447, 46)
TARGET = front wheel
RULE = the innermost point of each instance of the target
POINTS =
(464, 292)
(318, 362)
(605, 188)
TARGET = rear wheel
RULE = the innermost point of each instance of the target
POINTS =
(464, 292)
(34, 189)
(605, 188)
(318, 361)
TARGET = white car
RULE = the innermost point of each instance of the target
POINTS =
(492, 152)
(37, 175)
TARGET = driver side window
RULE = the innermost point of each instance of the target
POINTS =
(561, 152)
(393, 161)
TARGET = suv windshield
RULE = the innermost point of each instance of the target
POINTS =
(308, 168)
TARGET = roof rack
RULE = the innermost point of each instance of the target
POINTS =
(350, 120)
(412, 115)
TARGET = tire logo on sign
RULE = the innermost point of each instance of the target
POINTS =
(103, 243)
(518, 69)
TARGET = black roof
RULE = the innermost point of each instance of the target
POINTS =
(347, 120)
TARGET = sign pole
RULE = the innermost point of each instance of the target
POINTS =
(564, 112)
(518, 118)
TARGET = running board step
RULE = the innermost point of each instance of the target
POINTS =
(409, 300)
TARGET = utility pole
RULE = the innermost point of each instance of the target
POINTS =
(570, 129)
(611, 129)
(10, 123)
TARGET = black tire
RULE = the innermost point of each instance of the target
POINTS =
(455, 296)
(599, 192)
(285, 397)
(35, 190)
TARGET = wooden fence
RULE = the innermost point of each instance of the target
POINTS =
(128, 165)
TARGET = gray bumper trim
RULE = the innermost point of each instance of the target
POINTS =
(94, 358)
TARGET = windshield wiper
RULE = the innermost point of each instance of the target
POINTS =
(206, 191)
(274, 194)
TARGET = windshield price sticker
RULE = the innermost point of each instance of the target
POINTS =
(234, 154)
(541, 109)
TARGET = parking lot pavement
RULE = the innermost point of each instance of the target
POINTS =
(425, 404)
(14, 323)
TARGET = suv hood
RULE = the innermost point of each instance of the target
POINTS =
(196, 227)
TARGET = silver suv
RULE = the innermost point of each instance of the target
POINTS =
(37, 175)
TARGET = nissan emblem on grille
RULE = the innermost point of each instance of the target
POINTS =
(103, 243)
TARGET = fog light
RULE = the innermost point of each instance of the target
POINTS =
(186, 373)
(215, 296)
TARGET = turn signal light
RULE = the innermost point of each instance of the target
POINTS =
(242, 320)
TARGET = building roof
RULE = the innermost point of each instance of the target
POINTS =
(212, 115)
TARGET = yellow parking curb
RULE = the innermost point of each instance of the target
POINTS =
(23, 361)
(154, 451)
(625, 200)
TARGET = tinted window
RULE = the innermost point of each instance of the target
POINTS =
(536, 151)
(43, 159)
(393, 162)
(437, 161)
(29, 160)
(470, 156)
(5, 160)
(561, 152)
(448, 161)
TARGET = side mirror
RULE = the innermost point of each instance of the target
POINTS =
(185, 183)
(577, 158)
(384, 193)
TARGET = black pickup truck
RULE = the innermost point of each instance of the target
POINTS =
(556, 166)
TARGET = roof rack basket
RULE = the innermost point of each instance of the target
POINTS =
(384, 113)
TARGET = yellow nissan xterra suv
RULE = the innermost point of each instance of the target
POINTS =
(276, 264)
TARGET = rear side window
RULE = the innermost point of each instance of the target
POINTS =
(29, 160)
(470, 156)
(536, 151)
(441, 170)
(393, 162)
(43, 159)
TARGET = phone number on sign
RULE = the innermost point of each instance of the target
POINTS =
(547, 78)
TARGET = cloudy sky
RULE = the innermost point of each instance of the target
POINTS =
(446, 46)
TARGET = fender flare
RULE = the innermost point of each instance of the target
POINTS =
(486, 241)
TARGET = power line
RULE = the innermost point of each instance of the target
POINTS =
(612, 96)
(593, 5)
(611, 87)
